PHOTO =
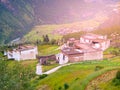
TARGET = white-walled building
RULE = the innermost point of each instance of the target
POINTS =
(96, 41)
(89, 47)
(23, 53)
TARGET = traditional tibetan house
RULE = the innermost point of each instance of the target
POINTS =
(25, 52)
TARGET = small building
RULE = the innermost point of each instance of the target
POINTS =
(23, 53)
(89, 47)
(96, 41)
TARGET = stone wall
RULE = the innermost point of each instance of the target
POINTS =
(96, 55)
(76, 58)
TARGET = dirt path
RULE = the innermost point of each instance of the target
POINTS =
(58, 67)
(55, 69)
(94, 84)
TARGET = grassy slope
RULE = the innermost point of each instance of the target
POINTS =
(38, 31)
(47, 49)
(75, 75)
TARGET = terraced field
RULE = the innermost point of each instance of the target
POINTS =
(77, 76)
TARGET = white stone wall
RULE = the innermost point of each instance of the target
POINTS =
(23, 55)
(62, 58)
(10, 55)
(28, 54)
(16, 55)
(38, 69)
(82, 40)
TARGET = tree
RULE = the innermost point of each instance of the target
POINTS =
(47, 38)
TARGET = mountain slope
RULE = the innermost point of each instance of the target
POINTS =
(16, 19)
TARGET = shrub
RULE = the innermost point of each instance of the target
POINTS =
(118, 75)
(98, 68)
(43, 76)
(66, 86)
(59, 88)
(116, 80)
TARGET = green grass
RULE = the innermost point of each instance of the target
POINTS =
(38, 31)
(77, 76)
(108, 51)
(32, 65)
(48, 67)
(43, 50)
(48, 49)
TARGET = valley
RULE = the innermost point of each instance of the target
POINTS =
(82, 37)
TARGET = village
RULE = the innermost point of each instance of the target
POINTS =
(89, 47)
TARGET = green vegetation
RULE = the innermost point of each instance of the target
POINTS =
(77, 76)
(16, 19)
(97, 68)
(48, 49)
(116, 80)
(73, 77)
(38, 31)
(15, 76)
(54, 31)
(113, 84)
(42, 76)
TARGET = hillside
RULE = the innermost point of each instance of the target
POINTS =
(77, 76)
(16, 19)
(57, 31)
(100, 24)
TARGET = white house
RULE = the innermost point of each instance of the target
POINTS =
(96, 41)
(23, 53)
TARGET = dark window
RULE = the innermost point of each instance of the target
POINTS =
(63, 57)
(94, 42)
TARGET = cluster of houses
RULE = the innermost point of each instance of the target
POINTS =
(88, 47)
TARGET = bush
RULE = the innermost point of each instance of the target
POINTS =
(98, 68)
(116, 80)
(66, 86)
(43, 76)
(118, 75)
(60, 88)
